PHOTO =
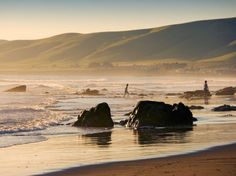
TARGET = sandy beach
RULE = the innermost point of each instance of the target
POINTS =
(216, 161)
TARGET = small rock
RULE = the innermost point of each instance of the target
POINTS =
(90, 92)
(196, 107)
(21, 88)
(225, 108)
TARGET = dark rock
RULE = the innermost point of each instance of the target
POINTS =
(99, 116)
(225, 108)
(173, 94)
(152, 113)
(226, 91)
(123, 122)
(196, 107)
(21, 88)
(196, 94)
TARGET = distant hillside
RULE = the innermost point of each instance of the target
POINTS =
(1, 41)
(210, 41)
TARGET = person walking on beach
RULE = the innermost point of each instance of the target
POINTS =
(126, 90)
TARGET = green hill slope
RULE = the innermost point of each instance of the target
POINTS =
(209, 41)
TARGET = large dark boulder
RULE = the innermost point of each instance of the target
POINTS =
(226, 91)
(225, 108)
(99, 116)
(158, 114)
(21, 88)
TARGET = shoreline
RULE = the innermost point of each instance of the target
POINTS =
(64, 153)
(216, 160)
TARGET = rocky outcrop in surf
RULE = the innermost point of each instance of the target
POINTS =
(99, 116)
(226, 91)
(157, 114)
(195, 94)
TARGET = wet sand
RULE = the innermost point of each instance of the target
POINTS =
(215, 161)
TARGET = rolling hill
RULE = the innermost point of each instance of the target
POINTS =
(210, 42)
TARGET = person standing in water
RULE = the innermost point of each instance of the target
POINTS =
(206, 89)
(206, 93)
(126, 90)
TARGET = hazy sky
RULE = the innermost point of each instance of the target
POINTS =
(30, 19)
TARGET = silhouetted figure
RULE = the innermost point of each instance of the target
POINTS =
(126, 90)
(206, 92)
(206, 89)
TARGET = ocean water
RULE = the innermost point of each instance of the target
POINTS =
(50, 103)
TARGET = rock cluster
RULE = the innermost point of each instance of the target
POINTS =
(145, 114)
